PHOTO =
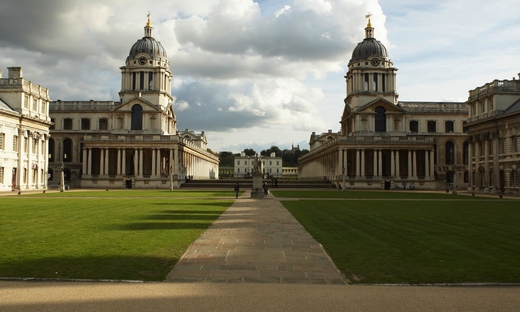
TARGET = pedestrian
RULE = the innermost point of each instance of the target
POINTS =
(237, 188)
(266, 189)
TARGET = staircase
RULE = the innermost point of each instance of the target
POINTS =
(248, 183)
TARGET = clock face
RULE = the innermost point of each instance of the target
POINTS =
(374, 62)
(142, 60)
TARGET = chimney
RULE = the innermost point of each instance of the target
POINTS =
(1, 74)
(15, 72)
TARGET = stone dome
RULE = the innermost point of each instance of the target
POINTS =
(149, 46)
(367, 48)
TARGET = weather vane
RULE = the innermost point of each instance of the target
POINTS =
(368, 16)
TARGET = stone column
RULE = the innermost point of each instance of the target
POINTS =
(477, 164)
(397, 167)
(101, 161)
(89, 162)
(375, 170)
(136, 159)
(363, 163)
(426, 166)
(123, 162)
(496, 161)
(154, 164)
(84, 164)
(141, 162)
(470, 165)
(432, 164)
(106, 161)
(118, 161)
(486, 166)
(358, 167)
(414, 164)
(380, 162)
(410, 173)
(392, 164)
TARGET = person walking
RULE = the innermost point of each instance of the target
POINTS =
(266, 189)
(237, 188)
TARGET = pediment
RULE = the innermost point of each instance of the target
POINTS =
(387, 105)
(147, 106)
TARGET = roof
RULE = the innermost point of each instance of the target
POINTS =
(4, 105)
(434, 107)
(513, 108)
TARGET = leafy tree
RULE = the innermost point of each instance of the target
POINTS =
(227, 159)
(249, 152)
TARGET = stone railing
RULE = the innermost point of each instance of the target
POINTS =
(493, 87)
(82, 105)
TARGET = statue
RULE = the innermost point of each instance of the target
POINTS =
(257, 165)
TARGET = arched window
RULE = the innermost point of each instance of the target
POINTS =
(465, 158)
(137, 117)
(51, 150)
(380, 119)
(67, 150)
(450, 153)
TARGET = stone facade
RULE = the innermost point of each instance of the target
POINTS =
(24, 133)
(493, 127)
(133, 143)
(271, 166)
(385, 143)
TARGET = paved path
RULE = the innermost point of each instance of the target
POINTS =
(256, 241)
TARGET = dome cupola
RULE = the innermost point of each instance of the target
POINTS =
(147, 45)
(369, 47)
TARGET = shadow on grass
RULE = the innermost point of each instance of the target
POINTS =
(222, 204)
(97, 267)
(162, 226)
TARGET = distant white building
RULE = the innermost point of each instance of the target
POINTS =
(24, 133)
(271, 166)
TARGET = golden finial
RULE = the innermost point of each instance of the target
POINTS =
(368, 16)
(148, 24)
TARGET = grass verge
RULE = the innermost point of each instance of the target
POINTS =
(416, 241)
(117, 237)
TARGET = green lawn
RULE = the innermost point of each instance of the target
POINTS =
(127, 235)
(419, 240)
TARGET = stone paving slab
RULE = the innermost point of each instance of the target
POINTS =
(256, 241)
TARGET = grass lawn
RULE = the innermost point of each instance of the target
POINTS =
(109, 235)
(414, 237)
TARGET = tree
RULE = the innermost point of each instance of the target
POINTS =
(227, 159)
(249, 152)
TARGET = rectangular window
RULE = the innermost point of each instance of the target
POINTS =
(270, 163)
(238, 170)
(43, 107)
(414, 126)
(383, 82)
(245, 162)
(26, 102)
(2, 136)
(238, 162)
(35, 105)
(432, 126)
(449, 126)
(15, 143)
(67, 124)
(103, 124)
(374, 86)
(278, 163)
(141, 81)
(150, 80)
(133, 81)
(85, 124)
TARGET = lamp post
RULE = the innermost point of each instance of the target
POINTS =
(62, 182)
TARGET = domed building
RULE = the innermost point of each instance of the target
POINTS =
(133, 143)
(384, 143)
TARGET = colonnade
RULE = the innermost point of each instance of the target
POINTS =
(374, 163)
(483, 173)
(31, 172)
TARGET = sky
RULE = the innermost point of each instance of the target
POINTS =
(252, 74)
